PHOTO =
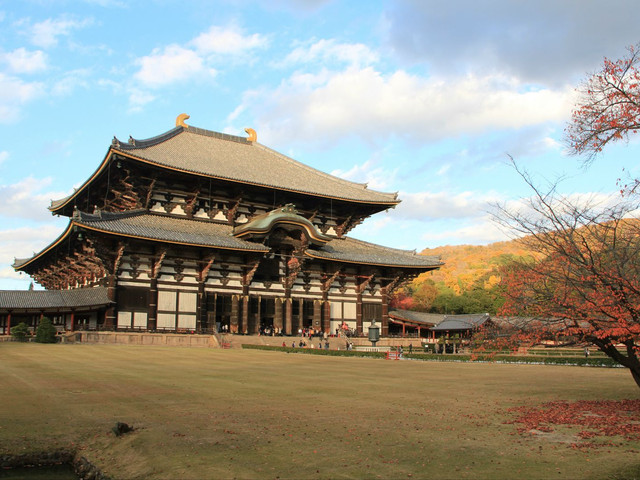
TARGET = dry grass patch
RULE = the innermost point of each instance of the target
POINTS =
(204, 413)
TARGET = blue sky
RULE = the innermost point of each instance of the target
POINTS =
(426, 98)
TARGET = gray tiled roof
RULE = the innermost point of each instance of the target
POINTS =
(141, 224)
(417, 317)
(54, 299)
(156, 227)
(233, 158)
(462, 322)
(356, 251)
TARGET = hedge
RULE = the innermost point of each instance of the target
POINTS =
(519, 359)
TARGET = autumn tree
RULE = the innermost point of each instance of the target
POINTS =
(608, 107)
(584, 278)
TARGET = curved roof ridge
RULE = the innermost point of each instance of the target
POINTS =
(393, 196)
(147, 142)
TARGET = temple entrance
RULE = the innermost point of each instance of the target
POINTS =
(222, 310)
(307, 314)
(267, 315)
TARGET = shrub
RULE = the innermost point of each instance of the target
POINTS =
(20, 332)
(46, 332)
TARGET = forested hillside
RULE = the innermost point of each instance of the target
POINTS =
(468, 282)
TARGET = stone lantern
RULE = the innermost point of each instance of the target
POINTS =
(374, 332)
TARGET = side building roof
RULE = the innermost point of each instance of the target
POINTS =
(236, 159)
(25, 300)
(461, 322)
(418, 318)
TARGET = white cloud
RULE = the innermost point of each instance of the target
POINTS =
(14, 94)
(27, 200)
(227, 40)
(23, 61)
(439, 205)
(138, 99)
(169, 65)
(443, 169)
(23, 242)
(45, 34)
(481, 231)
(376, 106)
(325, 51)
(376, 177)
(70, 82)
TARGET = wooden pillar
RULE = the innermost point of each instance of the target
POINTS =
(8, 329)
(384, 328)
(359, 313)
(112, 311)
(152, 317)
(288, 316)
(234, 313)
(300, 315)
(201, 309)
(244, 317)
(403, 329)
(255, 328)
(326, 317)
(277, 320)
(73, 321)
(317, 314)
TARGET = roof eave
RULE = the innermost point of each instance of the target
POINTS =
(425, 268)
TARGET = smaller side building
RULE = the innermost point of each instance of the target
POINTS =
(80, 308)
(462, 325)
(409, 323)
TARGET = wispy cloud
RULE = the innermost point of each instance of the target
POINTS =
(22, 60)
(14, 94)
(46, 34)
(227, 40)
(176, 63)
(326, 51)
(169, 65)
(28, 199)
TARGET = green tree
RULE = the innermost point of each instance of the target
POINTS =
(46, 332)
(20, 332)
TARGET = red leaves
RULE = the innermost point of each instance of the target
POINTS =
(601, 418)
(609, 109)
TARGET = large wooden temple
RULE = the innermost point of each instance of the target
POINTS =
(196, 231)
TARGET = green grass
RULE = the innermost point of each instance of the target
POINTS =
(208, 413)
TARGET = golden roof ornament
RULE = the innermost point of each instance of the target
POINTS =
(253, 136)
(180, 120)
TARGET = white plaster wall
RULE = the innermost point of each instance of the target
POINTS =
(140, 319)
(166, 320)
(167, 301)
(187, 321)
(188, 302)
(124, 319)
(349, 310)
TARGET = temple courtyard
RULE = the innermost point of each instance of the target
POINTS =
(214, 413)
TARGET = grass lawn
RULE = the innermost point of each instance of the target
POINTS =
(208, 413)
